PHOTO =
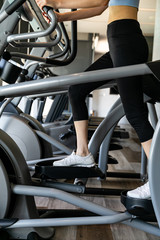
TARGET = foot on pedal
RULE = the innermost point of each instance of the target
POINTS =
(142, 192)
(74, 160)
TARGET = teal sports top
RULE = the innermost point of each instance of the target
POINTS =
(131, 3)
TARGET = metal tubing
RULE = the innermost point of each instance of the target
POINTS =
(152, 114)
(3, 16)
(39, 43)
(54, 142)
(61, 195)
(104, 148)
(4, 105)
(47, 222)
(72, 188)
(58, 83)
(99, 134)
(47, 94)
(90, 206)
(117, 218)
(38, 34)
(153, 171)
(10, 9)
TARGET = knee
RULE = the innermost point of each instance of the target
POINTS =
(136, 119)
(136, 115)
(141, 125)
(75, 93)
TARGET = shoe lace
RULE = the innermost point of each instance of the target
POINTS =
(69, 159)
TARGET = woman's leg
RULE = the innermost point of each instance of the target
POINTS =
(146, 146)
(128, 47)
(151, 87)
(81, 128)
(77, 96)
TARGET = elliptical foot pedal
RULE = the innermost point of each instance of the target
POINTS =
(46, 170)
(141, 208)
(112, 160)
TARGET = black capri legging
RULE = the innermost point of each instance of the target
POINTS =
(127, 47)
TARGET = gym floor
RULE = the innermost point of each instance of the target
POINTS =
(128, 160)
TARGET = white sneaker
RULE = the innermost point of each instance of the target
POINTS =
(142, 192)
(74, 160)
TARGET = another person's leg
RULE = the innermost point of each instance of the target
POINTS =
(77, 96)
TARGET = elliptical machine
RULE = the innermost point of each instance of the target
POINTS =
(18, 185)
(31, 137)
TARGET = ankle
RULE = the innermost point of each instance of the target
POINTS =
(83, 153)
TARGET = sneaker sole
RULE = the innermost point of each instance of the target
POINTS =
(76, 165)
(84, 165)
(80, 165)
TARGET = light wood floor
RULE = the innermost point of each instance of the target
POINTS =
(129, 160)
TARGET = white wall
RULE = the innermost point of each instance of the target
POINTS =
(102, 101)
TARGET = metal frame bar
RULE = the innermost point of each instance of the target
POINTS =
(107, 216)
(63, 82)
(154, 171)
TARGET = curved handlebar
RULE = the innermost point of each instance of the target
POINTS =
(44, 33)
(37, 34)
(73, 49)
(40, 44)
(51, 59)
(52, 62)
(64, 46)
